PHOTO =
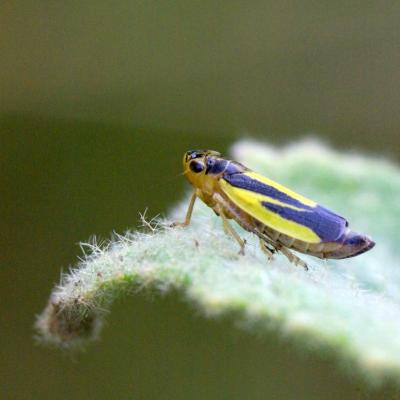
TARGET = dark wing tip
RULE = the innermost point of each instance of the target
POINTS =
(354, 244)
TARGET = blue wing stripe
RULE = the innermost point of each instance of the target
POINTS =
(327, 225)
(245, 182)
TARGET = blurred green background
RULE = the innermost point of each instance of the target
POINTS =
(99, 100)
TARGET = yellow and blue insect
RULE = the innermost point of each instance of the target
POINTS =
(281, 218)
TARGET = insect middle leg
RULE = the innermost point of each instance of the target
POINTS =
(228, 229)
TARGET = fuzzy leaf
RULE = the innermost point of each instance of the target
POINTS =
(349, 307)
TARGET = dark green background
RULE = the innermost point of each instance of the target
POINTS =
(99, 100)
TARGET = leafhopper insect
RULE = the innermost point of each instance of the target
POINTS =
(282, 219)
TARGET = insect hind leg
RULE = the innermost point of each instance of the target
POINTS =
(292, 257)
(230, 231)
(273, 247)
(267, 249)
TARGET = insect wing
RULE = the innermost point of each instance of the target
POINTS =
(282, 209)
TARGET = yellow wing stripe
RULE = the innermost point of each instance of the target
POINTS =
(281, 188)
(250, 202)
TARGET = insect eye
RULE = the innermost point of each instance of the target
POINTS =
(196, 167)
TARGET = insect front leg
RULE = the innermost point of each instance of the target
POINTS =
(228, 229)
(188, 212)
